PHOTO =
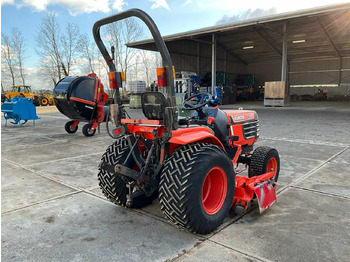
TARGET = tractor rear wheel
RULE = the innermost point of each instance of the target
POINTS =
(264, 159)
(69, 129)
(87, 130)
(112, 185)
(196, 187)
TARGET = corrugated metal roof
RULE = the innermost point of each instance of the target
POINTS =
(247, 23)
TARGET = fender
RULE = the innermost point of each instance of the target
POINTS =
(184, 136)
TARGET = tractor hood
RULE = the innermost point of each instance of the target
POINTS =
(239, 116)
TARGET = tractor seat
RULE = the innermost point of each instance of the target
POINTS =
(220, 123)
(153, 105)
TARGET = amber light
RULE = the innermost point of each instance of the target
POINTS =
(123, 76)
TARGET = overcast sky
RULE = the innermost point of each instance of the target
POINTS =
(171, 16)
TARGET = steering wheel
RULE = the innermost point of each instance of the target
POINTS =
(201, 100)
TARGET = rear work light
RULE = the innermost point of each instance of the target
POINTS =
(116, 79)
(161, 76)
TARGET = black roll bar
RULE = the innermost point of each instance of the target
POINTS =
(163, 50)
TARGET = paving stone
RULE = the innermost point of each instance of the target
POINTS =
(210, 251)
(79, 171)
(85, 228)
(302, 150)
(301, 226)
(20, 188)
(331, 178)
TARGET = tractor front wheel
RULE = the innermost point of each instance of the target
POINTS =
(69, 127)
(264, 159)
(196, 187)
(87, 130)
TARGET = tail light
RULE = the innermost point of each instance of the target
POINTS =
(161, 76)
(116, 79)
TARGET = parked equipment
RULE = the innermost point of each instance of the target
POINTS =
(81, 99)
(23, 91)
(19, 108)
(45, 97)
(190, 163)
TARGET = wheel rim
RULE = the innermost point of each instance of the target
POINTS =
(214, 190)
(272, 166)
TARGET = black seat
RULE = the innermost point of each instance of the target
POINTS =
(221, 127)
(153, 105)
(220, 123)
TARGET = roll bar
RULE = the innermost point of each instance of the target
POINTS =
(163, 50)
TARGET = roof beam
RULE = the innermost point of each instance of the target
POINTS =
(230, 53)
(195, 55)
(265, 25)
(329, 38)
(266, 41)
(335, 49)
(221, 46)
(199, 40)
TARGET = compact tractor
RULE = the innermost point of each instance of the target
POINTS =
(190, 164)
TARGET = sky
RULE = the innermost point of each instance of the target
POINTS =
(171, 16)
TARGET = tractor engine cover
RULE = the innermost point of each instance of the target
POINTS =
(79, 97)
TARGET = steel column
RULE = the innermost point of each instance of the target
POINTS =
(284, 54)
(284, 73)
(198, 59)
(340, 68)
(213, 64)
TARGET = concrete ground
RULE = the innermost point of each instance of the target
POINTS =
(53, 210)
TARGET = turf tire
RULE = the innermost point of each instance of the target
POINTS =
(112, 185)
(181, 187)
(260, 159)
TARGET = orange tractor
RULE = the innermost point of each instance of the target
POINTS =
(190, 164)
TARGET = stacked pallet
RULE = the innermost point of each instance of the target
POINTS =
(135, 89)
(274, 93)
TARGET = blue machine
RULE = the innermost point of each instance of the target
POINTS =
(19, 108)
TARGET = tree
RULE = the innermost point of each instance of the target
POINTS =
(88, 51)
(8, 57)
(147, 65)
(47, 40)
(57, 51)
(92, 61)
(71, 45)
(17, 42)
(119, 34)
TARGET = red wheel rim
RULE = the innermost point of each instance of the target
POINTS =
(214, 190)
(272, 166)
